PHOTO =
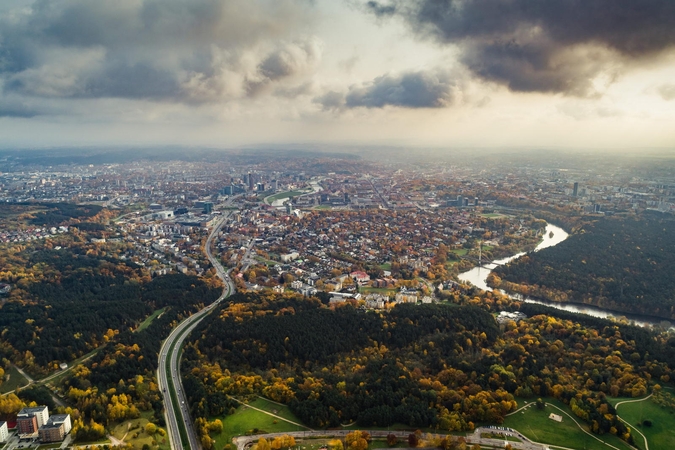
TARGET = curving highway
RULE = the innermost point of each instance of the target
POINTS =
(168, 373)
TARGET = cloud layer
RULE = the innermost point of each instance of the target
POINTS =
(558, 46)
(432, 89)
(192, 51)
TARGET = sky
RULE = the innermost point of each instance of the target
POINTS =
(433, 73)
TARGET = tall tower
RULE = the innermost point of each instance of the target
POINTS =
(575, 192)
(250, 181)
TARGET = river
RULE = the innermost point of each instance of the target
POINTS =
(478, 277)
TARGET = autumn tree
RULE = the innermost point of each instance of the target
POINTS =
(413, 440)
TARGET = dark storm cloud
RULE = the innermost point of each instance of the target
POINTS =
(409, 90)
(173, 50)
(16, 109)
(544, 46)
(381, 10)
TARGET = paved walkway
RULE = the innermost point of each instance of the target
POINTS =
(616, 407)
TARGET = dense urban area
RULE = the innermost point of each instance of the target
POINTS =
(330, 301)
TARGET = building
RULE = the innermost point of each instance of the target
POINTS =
(55, 429)
(406, 296)
(360, 276)
(288, 257)
(4, 433)
(555, 417)
(26, 425)
(63, 419)
(575, 191)
(41, 413)
(51, 432)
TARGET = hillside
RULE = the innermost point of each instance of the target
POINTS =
(620, 264)
(444, 366)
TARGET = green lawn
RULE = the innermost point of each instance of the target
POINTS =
(244, 420)
(289, 194)
(267, 262)
(133, 432)
(49, 446)
(662, 432)
(492, 215)
(460, 251)
(15, 380)
(146, 323)
(385, 266)
(369, 289)
(536, 425)
(275, 408)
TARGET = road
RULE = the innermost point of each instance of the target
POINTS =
(168, 372)
(244, 442)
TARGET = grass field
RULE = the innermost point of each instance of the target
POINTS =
(245, 419)
(49, 446)
(281, 195)
(133, 432)
(267, 262)
(146, 323)
(460, 251)
(275, 408)
(492, 215)
(662, 432)
(368, 289)
(385, 266)
(536, 425)
(15, 380)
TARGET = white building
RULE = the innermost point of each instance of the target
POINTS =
(4, 434)
(288, 257)
(41, 413)
(58, 419)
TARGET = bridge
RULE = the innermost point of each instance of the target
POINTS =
(479, 261)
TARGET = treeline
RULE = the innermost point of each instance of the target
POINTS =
(619, 264)
(58, 213)
(119, 382)
(644, 341)
(82, 303)
(443, 366)
(342, 365)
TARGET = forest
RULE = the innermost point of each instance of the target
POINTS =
(447, 366)
(119, 381)
(622, 264)
(58, 213)
(80, 302)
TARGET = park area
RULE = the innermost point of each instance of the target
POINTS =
(255, 418)
(535, 424)
(655, 422)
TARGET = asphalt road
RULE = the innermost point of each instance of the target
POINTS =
(170, 352)
(244, 442)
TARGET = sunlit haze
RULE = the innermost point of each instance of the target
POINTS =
(405, 73)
